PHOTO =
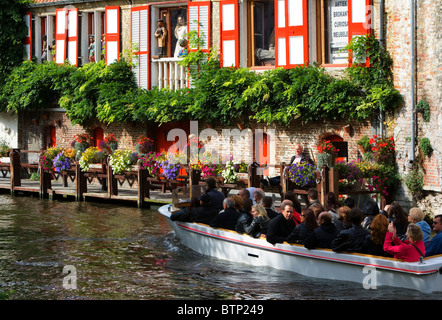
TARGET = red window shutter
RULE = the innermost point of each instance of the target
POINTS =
(198, 19)
(27, 41)
(72, 36)
(60, 35)
(112, 33)
(359, 23)
(140, 40)
(291, 33)
(229, 33)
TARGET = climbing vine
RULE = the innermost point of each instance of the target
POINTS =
(217, 95)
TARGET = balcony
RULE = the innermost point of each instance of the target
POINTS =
(167, 73)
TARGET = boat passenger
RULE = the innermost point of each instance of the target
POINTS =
(317, 209)
(435, 245)
(259, 223)
(416, 215)
(244, 193)
(290, 195)
(267, 203)
(370, 209)
(354, 238)
(245, 217)
(312, 196)
(350, 202)
(378, 230)
(343, 222)
(332, 205)
(184, 213)
(228, 217)
(296, 216)
(409, 250)
(323, 236)
(396, 214)
(305, 228)
(216, 196)
(281, 226)
(257, 195)
(205, 212)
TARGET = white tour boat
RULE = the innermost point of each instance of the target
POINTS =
(370, 271)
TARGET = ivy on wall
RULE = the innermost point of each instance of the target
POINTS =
(218, 95)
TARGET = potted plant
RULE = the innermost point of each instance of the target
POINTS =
(121, 160)
(364, 144)
(92, 155)
(4, 151)
(326, 154)
(150, 162)
(143, 144)
(302, 174)
(229, 173)
(80, 143)
(46, 158)
(61, 162)
(111, 142)
(383, 149)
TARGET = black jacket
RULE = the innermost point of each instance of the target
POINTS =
(322, 237)
(351, 240)
(226, 219)
(243, 221)
(299, 234)
(271, 213)
(279, 229)
(258, 226)
(203, 214)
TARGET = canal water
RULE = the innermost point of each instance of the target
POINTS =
(126, 253)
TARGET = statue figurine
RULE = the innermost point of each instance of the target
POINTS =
(161, 35)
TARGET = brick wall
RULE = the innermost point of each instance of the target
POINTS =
(428, 86)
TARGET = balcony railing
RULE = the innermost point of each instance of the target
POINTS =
(170, 73)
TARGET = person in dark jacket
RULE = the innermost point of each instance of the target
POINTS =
(378, 230)
(259, 223)
(203, 213)
(303, 230)
(323, 236)
(354, 238)
(216, 196)
(281, 226)
(228, 217)
(267, 203)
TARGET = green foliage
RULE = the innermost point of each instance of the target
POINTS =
(415, 181)
(425, 146)
(425, 107)
(34, 86)
(218, 95)
(12, 31)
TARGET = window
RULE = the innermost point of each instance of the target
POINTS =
(27, 41)
(66, 36)
(261, 26)
(338, 22)
(300, 31)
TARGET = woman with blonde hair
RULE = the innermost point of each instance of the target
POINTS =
(416, 215)
(259, 222)
(409, 250)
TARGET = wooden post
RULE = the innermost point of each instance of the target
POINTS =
(334, 181)
(80, 183)
(142, 184)
(45, 182)
(112, 187)
(323, 187)
(194, 179)
(14, 156)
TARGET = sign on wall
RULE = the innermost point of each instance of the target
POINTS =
(338, 30)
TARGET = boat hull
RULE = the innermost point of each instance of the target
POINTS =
(369, 271)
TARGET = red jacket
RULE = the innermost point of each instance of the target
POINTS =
(403, 250)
